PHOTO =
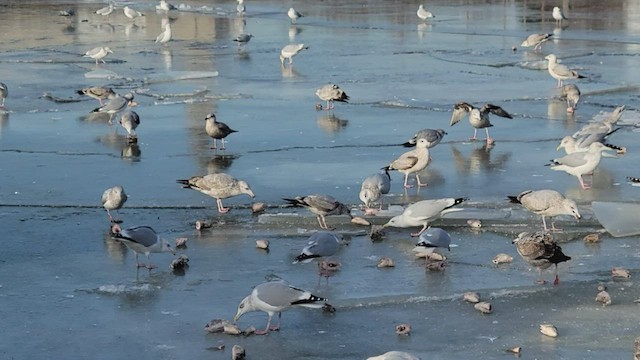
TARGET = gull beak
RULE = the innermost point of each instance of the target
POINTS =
(559, 147)
(251, 194)
(173, 251)
(236, 317)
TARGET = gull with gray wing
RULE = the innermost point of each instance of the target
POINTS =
(291, 50)
(373, 187)
(559, 71)
(478, 118)
(98, 53)
(571, 94)
(431, 239)
(116, 105)
(580, 163)
(130, 121)
(98, 92)
(536, 40)
(547, 203)
(423, 212)
(331, 93)
(142, 240)
(321, 205)
(217, 130)
(433, 137)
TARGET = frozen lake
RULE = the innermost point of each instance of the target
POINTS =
(68, 289)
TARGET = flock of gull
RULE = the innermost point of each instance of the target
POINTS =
(584, 151)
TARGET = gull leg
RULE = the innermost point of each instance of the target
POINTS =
(266, 330)
(556, 281)
(540, 280)
(215, 144)
(222, 147)
(98, 100)
(319, 217)
(582, 183)
(475, 134)
(111, 119)
(221, 208)
(277, 326)
(110, 217)
(406, 178)
(138, 262)
(149, 266)
(419, 183)
(424, 227)
(489, 139)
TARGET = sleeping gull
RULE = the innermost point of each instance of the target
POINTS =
(557, 14)
(424, 14)
(112, 199)
(571, 94)
(291, 50)
(116, 105)
(433, 137)
(131, 13)
(98, 53)
(411, 162)
(321, 205)
(165, 35)
(423, 212)
(217, 130)
(98, 92)
(142, 240)
(479, 118)
(394, 355)
(580, 163)
(105, 11)
(243, 38)
(130, 121)
(294, 15)
(560, 72)
(331, 93)
(547, 203)
(4, 92)
(540, 251)
(219, 186)
(431, 239)
(536, 40)
(274, 297)
(373, 187)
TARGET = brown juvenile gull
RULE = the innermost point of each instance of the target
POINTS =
(433, 137)
(219, 186)
(116, 105)
(547, 203)
(142, 240)
(321, 205)
(394, 355)
(424, 14)
(112, 199)
(540, 251)
(580, 163)
(560, 72)
(291, 50)
(331, 93)
(4, 92)
(293, 14)
(536, 40)
(373, 187)
(557, 14)
(98, 53)
(571, 94)
(423, 212)
(479, 118)
(217, 130)
(97, 92)
(130, 121)
(274, 297)
(411, 162)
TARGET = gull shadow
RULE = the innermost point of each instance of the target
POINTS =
(115, 249)
(331, 124)
(288, 71)
(4, 120)
(293, 32)
(220, 163)
(130, 151)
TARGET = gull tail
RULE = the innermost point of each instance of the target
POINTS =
(303, 257)
(514, 199)
(80, 92)
(185, 183)
(294, 202)
(581, 76)
(409, 144)
(633, 179)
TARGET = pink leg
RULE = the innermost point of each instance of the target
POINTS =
(419, 183)
(556, 281)
(371, 211)
(406, 178)
(266, 330)
(540, 281)
(424, 227)
(222, 147)
(221, 208)
(489, 139)
(277, 326)
(475, 135)
(322, 226)
(215, 144)
(582, 183)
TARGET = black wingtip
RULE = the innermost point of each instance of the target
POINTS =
(79, 92)
(633, 179)
(460, 200)
(513, 199)
(408, 144)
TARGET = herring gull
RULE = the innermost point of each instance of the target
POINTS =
(423, 212)
(424, 14)
(113, 199)
(536, 40)
(142, 240)
(219, 186)
(411, 162)
(580, 163)
(479, 118)
(116, 105)
(373, 187)
(557, 14)
(571, 94)
(559, 71)
(130, 121)
(294, 15)
(131, 13)
(331, 93)
(98, 53)
(97, 92)
(4, 92)
(546, 203)
(431, 239)
(291, 50)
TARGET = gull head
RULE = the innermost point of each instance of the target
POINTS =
(245, 306)
(552, 58)
(367, 196)
(395, 221)
(166, 247)
(211, 116)
(129, 97)
(566, 142)
(106, 48)
(422, 143)
(245, 189)
(572, 208)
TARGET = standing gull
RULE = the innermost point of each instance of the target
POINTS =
(165, 35)
(331, 93)
(98, 53)
(536, 40)
(558, 16)
(294, 15)
(291, 50)
(560, 72)
(142, 240)
(274, 297)
(116, 105)
(165, 6)
(571, 94)
(217, 130)
(97, 92)
(431, 239)
(113, 199)
(423, 212)
(105, 11)
(321, 205)
(131, 13)
(432, 137)
(243, 39)
(540, 251)
(130, 121)
(372, 188)
(479, 118)
(547, 203)
(219, 186)
(411, 162)
(424, 14)
(580, 163)
(4, 92)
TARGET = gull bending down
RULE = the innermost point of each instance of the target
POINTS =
(433, 137)
(142, 240)
(291, 50)
(411, 162)
(321, 205)
(479, 118)
(423, 212)
(117, 105)
(536, 40)
(98, 53)
(546, 203)
(373, 187)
